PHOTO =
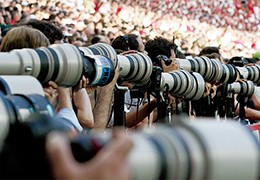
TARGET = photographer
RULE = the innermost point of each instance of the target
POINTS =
(213, 100)
(158, 47)
(109, 163)
(80, 100)
(128, 42)
(26, 37)
(136, 116)
(162, 46)
(251, 106)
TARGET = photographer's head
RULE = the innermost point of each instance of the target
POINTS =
(128, 42)
(212, 52)
(100, 39)
(23, 37)
(238, 61)
(160, 49)
(159, 46)
(53, 33)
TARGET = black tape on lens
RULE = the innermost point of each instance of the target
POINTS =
(56, 64)
(44, 65)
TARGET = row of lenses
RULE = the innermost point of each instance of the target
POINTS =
(212, 70)
(65, 64)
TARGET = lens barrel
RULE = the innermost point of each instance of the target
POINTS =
(246, 88)
(212, 70)
(182, 83)
(63, 63)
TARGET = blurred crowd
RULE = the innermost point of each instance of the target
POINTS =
(233, 25)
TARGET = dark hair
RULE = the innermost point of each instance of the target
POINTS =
(98, 39)
(95, 39)
(159, 46)
(240, 61)
(179, 54)
(126, 42)
(209, 50)
(52, 32)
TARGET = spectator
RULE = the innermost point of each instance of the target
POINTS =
(195, 24)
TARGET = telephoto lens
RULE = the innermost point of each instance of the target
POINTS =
(212, 70)
(63, 63)
(101, 49)
(135, 67)
(246, 88)
(11, 84)
(17, 103)
(201, 149)
(251, 73)
(182, 83)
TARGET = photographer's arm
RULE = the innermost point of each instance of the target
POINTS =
(173, 66)
(133, 117)
(109, 163)
(64, 96)
(256, 98)
(102, 108)
(103, 105)
(83, 104)
(66, 113)
(50, 92)
(251, 114)
(84, 110)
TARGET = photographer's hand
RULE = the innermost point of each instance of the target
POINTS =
(128, 52)
(83, 104)
(109, 163)
(171, 67)
(50, 92)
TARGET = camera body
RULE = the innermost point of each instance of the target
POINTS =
(157, 60)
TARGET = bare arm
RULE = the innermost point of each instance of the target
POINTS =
(64, 98)
(103, 106)
(83, 104)
(133, 117)
(84, 110)
(250, 113)
(256, 98)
